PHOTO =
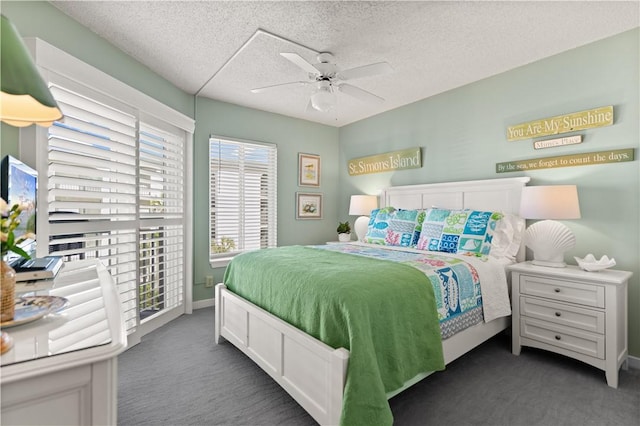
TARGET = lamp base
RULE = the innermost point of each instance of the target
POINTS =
(549, 240)
(549, 264)
(361, 226)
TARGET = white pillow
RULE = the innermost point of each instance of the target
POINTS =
(507, 237)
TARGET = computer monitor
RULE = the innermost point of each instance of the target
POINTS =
(19, 184)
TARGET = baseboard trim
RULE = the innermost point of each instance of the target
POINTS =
(206, 303)
(634, 362)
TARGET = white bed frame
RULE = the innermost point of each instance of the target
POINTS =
(310, 371)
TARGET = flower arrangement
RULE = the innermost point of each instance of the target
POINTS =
(9, 221)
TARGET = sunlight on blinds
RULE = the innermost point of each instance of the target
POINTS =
(242, 196)
(92, 189)
(161, 247)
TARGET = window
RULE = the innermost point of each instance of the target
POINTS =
(161, 204)
(116, 192)
(242, 197)
(112, 178)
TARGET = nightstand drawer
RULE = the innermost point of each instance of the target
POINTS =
(563, 314)
(562, 290)
(569, 338)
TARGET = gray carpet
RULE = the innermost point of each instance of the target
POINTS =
(177, 375)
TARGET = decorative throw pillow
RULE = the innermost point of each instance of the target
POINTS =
(468, 231)
(378, 224)
(432, 227)
(404, 228)
(395, 227)
(462, 231)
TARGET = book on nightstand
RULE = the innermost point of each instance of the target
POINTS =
(42, 268)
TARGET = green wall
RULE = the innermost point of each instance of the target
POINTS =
(292, 136)
(462, 133)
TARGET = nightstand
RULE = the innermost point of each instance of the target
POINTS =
(579, 314)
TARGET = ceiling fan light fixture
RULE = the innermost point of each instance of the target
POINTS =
(324, 98)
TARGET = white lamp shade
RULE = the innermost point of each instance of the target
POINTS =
(550, 202)
(361, 205)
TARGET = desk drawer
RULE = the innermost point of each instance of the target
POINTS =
(563, 290)
(564, 314)
(569, 338)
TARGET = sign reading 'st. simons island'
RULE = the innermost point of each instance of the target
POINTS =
(396, 160)
(589, 119)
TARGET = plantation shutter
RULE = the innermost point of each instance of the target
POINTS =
(243, 199)
(91, 184)
(162, 189)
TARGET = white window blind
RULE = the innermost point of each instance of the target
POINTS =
(116, 192)
(243, 199)
(92, 189)
(161, 209)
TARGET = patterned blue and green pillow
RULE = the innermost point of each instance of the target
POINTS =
(458, 231)
(378, 222)
(393, 227)
(432, 227)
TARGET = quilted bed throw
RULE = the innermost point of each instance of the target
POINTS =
(383, 312)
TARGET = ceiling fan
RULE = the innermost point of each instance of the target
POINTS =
(327, 80)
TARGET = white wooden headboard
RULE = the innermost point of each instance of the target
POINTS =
(501, 195)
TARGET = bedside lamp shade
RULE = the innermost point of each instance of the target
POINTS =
(25, 97)
(549, 239)
(361, 205)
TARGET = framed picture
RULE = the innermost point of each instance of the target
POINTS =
(308, 205)
(308, 170)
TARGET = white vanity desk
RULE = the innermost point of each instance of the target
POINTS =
(62, 368)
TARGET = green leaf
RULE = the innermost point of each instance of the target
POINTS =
(19, 251)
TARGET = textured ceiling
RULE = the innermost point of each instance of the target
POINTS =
(222, 49)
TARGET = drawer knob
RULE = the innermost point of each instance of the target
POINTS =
(557, 290)
(557, 337)
(558, 314)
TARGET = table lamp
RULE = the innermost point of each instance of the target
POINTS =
(25, 97)
(361, 205)
(548, 239)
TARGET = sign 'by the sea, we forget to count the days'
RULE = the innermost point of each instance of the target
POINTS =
(589, 119)
(396, 160)
(584, 159)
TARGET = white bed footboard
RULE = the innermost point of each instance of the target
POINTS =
(310, 371)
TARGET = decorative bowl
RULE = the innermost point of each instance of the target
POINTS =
(589, 263)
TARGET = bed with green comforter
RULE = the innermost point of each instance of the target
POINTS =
(384, 312)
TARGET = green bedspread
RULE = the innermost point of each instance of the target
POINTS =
(384, 313)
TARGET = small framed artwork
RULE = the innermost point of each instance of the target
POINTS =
(308, 170)
(308, 205)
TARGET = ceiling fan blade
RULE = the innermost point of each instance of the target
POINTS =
(365, 71)
(360, 94)
(301, 62)
(279, 86)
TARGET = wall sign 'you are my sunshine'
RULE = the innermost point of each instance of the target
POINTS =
(589, 119)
